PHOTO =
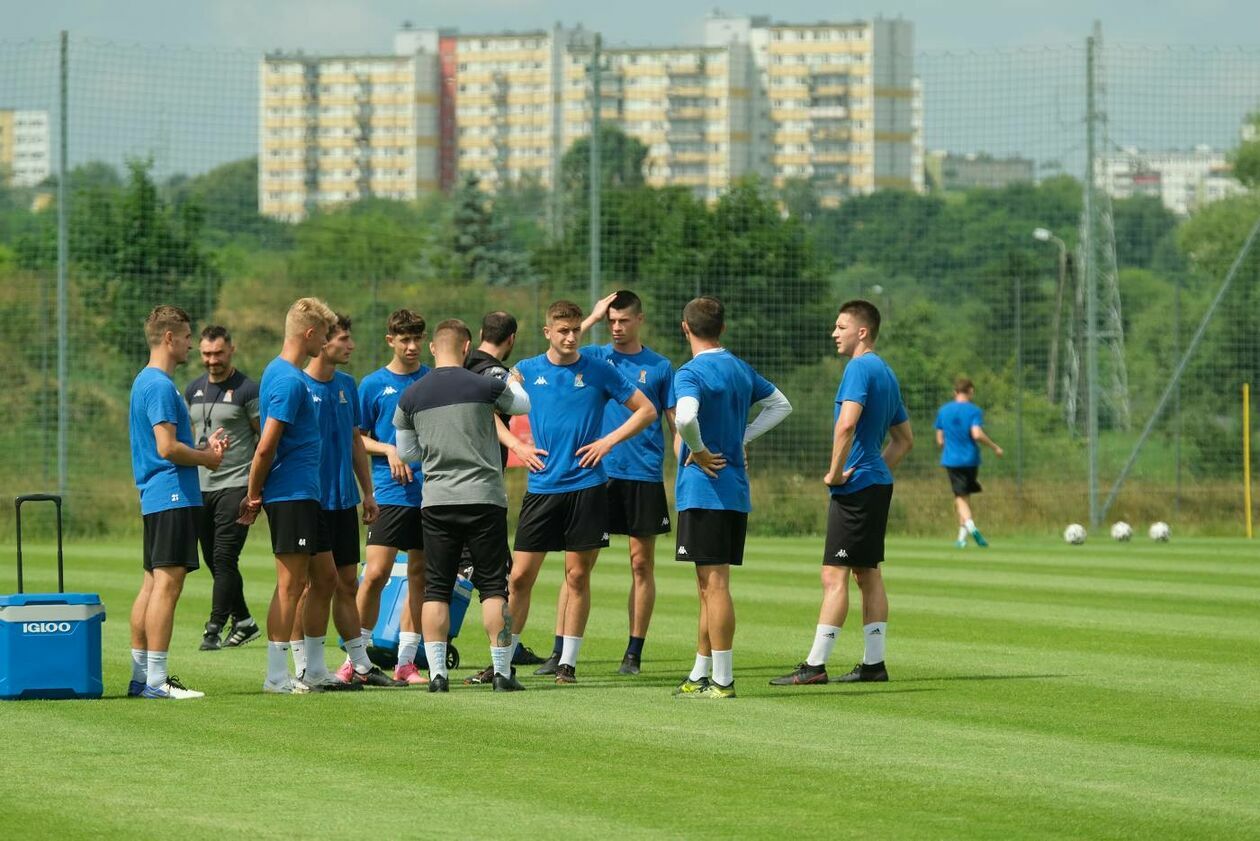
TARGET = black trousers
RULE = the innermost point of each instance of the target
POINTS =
(222, 540)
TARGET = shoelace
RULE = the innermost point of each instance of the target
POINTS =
(171, 680)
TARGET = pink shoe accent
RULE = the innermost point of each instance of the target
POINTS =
(345, 672)
(410, 674)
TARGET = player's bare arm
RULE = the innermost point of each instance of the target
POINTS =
(363, 473)
(978, 435)
(173, 450)
(399, 469)
(842, 443)
(900, 442)
(643, 413)
(598, 314)
(259, 468)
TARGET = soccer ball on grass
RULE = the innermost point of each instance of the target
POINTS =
(1074, 534)
(1160, 532)
(1121, 531)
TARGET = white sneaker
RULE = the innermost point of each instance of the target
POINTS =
(289, 686)
(174, 690)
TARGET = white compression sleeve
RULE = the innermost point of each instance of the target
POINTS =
(687, 419)
(514, 400)
(773, 410)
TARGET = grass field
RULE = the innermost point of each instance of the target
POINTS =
(1039, 690)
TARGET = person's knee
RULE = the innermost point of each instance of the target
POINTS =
(868, 579)
(642, 566)
(578, 577)
(835, 580)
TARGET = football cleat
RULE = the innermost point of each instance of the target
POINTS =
(288, 686)
(486, 675)
(242, 634)
(410, 675)
(629, 665)
(804, 675)
(135, 688)
(525, 656)
(345, 673)
(566, 674)
(439, 684)
(210, 640)
(691, 688)
(978, 538)
(375, 677)
(717, 691)
(507, 683)
(863, 673)
(549, 665)
(172, 689)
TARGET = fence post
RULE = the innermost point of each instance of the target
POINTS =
(596, 181)
(63, 258)
(1246, 442)
(1091, 277)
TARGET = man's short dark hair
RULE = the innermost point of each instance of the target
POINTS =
(404, 322)
(214, 332)
(626, 300)
(705, 317)
(452, 330)
(866, 313)
(962, 385)
(497, 327)
(341, 325)
(564, 311)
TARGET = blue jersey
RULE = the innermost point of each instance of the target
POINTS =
(955, 419)
(337, 404)
(869, 381)
(642, 457)
(163, 484)
(567, 412)
(379, 393)
(727, 387)
(283, 394)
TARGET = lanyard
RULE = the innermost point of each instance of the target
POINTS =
(206, 413)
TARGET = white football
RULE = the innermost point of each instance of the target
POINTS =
(1160, 532)
(1121, 531)
(1074, 534)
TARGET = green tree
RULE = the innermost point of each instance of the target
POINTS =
(621, 160)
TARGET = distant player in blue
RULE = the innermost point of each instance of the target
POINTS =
(344, 469)
(868, 409)
(398, 487)
(566, 502)
(959, 432)
(165, 464)
(637, 506)
(716, 390)
(284, 478)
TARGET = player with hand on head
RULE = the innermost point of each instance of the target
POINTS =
(223, 397)
(164, 461)
(959, 431)
(446, 421)
(334, 569)
(868, 409)
(716, 391)
(566, 504)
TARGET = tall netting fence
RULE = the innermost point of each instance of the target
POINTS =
(990, 272)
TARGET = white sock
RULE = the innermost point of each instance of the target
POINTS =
(277, 662)
(874, 634)
(962, 533)
(316, 667)
(723, 668)
(516, 645)
(825, 637)
(156, 669)
(298, 649)
(701, 668)
(139, 664)
(569, 653)
(502, 659)
(435, 652)
(970, 525)
(356, 653)
(366, 635)
(408, 645)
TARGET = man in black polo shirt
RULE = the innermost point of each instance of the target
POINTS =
(223, 397)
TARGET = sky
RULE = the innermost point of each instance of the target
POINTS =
(177, 81)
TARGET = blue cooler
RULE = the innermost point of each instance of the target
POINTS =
(50, 643)
(394, 602)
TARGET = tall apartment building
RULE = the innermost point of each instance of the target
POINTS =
(834, 103)
(335, 129)
(25, 150)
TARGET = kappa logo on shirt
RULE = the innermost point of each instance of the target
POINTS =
(577, 382)
(199, 393)
(643, 375)
(316, 398)
(541, 380)
(389, 389)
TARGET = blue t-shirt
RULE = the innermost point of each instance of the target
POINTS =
(727, 387)
(956, 419)
(869, 381)
(163, 484)
(567, 412)
(283, 394)
(337, 404)
(379, 393)
(642, 457)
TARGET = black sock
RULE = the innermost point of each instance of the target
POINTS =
(635, 646)
(557, 648)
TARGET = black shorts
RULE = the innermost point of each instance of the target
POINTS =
(398, 527)
(339, 534)
(170, 538)
(294, 526)
(711, 536)
(963, 480)
(856, 525)
(637, 508)
(573, 521)
(447, 530)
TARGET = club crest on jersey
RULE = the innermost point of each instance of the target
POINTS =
(577, 382)
(643, 375)
(227, 398)
(342, 392)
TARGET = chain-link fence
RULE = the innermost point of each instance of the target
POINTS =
(991, 271)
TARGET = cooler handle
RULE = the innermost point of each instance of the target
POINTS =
(55, 500)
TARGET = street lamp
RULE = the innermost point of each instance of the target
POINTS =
(1044, 235)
